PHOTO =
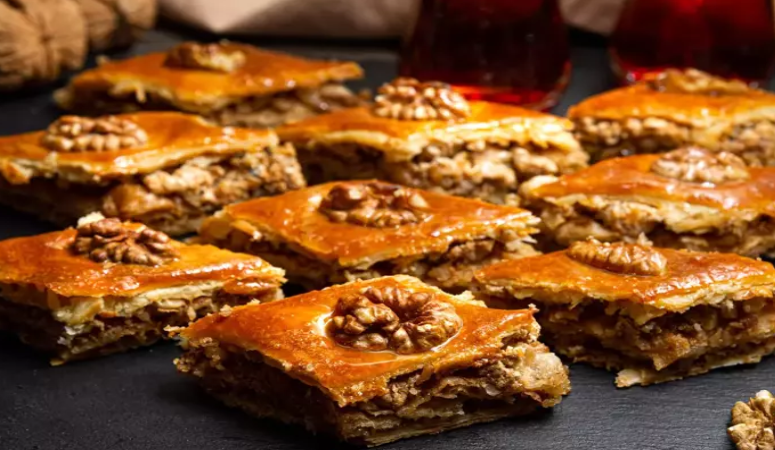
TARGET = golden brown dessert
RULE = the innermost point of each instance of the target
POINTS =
(688, 198)
(653, 314)
(425, 135)
(229, 83)
(167, 170)
(343, 231)
(677, 108)
(109, 286)
(375, 361)
(753, 423)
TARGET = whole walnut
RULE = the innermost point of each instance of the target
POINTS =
(117, 23)
(39, 39)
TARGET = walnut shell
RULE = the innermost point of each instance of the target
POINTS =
(38, 40)
(117, 23)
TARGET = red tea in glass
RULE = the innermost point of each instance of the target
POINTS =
(731, 38)
(509, 51)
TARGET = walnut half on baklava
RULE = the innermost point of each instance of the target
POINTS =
(653, 314)
(677, 108)
(167, 170)
(688, 198)
(375, 361)
(350, 230)
(427, 136)
(229, 83)
(109, 286)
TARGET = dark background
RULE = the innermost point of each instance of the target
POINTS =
(137, 401)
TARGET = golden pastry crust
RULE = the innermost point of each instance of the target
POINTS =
(291, 335)
(400, 140)
(295, 218)
(633, 178)
(642, 101)
(172, 138)
(48, 263)
(263, 72)
(689, 279)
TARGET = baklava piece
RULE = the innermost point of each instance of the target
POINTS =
(689, 198)
(165, 169)
(677, 108)
(375, 361)
(109, 286)
(427, 136)
(344, 231)
(652, 314)
(229, 83)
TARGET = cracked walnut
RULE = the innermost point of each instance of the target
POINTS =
(82, 134)
(104, 240)
(378, 205)
(215, 57)
(753, 423)
(395, 319)
(619, 257)
(693, 81)
(697, 165)
(410, 99)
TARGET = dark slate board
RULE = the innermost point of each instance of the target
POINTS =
(136, 401)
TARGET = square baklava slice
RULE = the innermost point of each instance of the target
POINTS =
(652, 314)
(343, 231)
(108, 286)
(165, 169)
(677, 108)
(375, 361)
(687, 198)
(427, 136)
(229, 83)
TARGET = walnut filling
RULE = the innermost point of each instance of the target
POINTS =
(693, 81)
(522, 377)
(673, 340)
(451, 270)
(491, 171)
(263, 111)
(113, 330)
(670, 225)
(753, 141)
(173, 200)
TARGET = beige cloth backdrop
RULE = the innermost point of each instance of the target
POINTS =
(344, 18)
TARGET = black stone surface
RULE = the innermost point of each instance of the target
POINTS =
(136, 401)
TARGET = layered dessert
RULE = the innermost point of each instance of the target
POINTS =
(677, 108)
(343, 231)
(427, 136)
(688, 198)
(375, 361)
(168, 170)
(651, 314)
(108, 286)
(229, 83)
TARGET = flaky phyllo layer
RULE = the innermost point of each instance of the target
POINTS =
(451, 268)
(173, 199)
(519, 378)
(671, 224)
(489, 169)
